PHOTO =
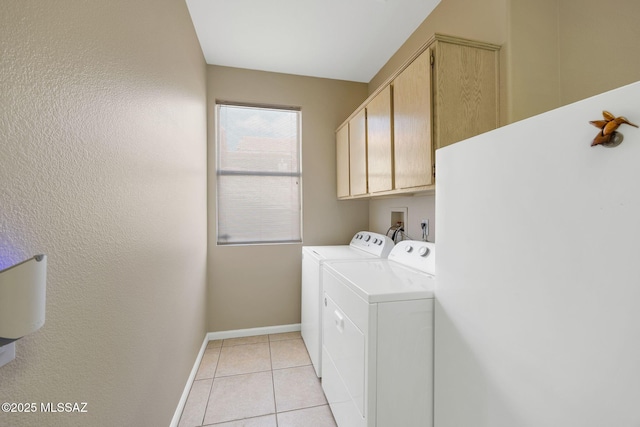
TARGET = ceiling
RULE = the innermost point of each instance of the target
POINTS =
(336, 39)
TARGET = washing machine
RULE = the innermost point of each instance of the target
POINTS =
(364, 245)
(377, 352)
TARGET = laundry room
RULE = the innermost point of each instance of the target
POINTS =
(159, 300)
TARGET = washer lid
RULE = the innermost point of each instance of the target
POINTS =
(381, 280)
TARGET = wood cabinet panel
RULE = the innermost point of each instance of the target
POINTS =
(342, 160)
(465, 101)
(413, 163)
(358, 153)
(379, 142)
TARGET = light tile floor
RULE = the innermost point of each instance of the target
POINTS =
(259, 381)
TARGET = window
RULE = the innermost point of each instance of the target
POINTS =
(258, 174)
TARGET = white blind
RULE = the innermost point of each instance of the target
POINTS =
(258, 175)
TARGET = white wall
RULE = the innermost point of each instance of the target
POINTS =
(103, 168)
(537, 280)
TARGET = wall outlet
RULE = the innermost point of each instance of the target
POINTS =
(424, 226)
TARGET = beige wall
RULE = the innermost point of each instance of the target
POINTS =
(599, 47)
(255, 286)
(103, 168)
(483, 20)
(560, 52)
(532, 58)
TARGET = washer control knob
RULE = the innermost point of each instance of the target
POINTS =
(409, 249)
(424, 251)
(380, 242)
(366, 239)
(375, 240)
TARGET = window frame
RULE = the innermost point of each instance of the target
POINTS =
(218, 172)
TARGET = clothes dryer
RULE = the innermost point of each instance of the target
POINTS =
(377, 354)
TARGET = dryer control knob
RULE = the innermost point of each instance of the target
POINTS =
(424, 251)
(366, 239)
(408, 249)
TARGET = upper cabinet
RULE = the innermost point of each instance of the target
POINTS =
(447, 92)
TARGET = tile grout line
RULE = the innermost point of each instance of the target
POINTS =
(303, 408)
(206, 406)
(273, 383)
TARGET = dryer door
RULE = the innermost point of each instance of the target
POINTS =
(343, 365)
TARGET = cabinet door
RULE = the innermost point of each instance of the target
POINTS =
(379, 142)
(413, 162)
(358, 153)
(465, 92)
(342, 160)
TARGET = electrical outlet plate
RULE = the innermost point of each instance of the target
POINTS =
(424, 226)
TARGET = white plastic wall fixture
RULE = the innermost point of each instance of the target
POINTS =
(7, 353)
(22, 298)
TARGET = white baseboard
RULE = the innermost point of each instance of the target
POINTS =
(187, 388)
(238, 333)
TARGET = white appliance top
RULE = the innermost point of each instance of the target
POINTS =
(407, 274)
(364, 244)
